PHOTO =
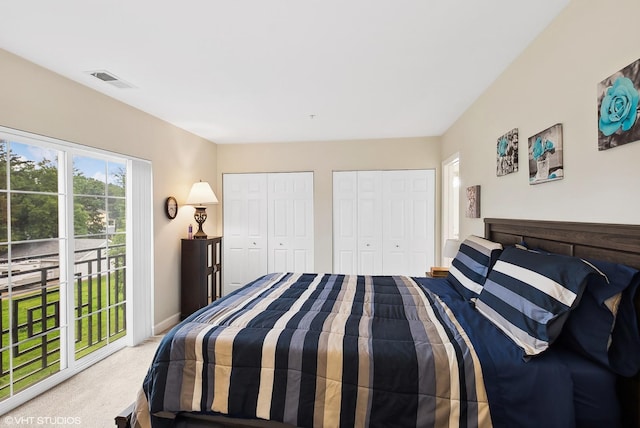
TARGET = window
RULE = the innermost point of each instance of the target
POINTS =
(99, 221)
(64, 259)
(450, 201)
(30, 249)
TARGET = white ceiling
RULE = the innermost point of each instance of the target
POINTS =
(283, 70)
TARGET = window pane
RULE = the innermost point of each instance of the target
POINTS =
(3, 164)
(37, 311)
(117, 179)
(117, 251)
(33, 264)
(35, 359)
(47, 253)
(4, 300)
(117, 321)
(89, 176)
(91, 256)
(91, 332)
(117, 215)
(117, 291)
(90, 215)
(3, 217)
(33, 216)
(33, 168)
(4, 375)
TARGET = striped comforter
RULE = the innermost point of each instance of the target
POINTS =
(321, 350)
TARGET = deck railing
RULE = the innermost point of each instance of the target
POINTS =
(100, 293)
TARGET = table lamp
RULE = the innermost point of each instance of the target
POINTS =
(199, 196)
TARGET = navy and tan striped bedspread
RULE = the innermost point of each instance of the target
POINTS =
(322, 350)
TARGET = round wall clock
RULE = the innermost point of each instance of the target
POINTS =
(171, 207)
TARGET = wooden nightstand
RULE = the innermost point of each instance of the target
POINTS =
(201, 274)
(437, 272)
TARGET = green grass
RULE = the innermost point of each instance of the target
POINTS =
(26, 373)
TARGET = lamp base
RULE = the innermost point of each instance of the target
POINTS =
(200, 217)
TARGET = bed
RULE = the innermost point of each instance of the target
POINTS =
(334, 350)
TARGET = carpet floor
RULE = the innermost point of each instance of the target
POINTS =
(93, 397)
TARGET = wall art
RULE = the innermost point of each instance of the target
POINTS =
(618, 108)
(545, 155)
(507, 153)
(473, 202)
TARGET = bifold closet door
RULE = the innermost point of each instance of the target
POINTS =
(290, 222)
(245, 229)
(267, 225)
(383, 222)
(370, 222)
(345, 222)
(357, 222)
(408, 222)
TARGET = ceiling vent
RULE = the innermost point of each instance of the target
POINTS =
(111, 79)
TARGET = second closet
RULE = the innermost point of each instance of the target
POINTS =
(383, 222)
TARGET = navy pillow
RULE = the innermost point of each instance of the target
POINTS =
(589, 328)
(470, 267)
(529, 295)
(624, 352)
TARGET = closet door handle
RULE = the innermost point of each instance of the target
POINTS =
(254, 243)
(368, 245)
(397, 246)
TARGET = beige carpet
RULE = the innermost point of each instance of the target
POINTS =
(91, 398)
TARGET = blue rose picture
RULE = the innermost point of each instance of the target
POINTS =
(541, 150)
(507, 153)
(545, 155)
(618, 108)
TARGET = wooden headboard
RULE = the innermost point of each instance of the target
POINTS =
(611, 242)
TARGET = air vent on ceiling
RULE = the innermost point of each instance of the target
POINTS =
(111, 79)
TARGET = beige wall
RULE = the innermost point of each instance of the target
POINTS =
(39, 101)
(555, 80)
(323, 158)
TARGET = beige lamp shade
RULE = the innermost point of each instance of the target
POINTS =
(450, 248)
(201, 194)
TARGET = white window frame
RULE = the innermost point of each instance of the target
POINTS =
(139, 260)
(450, 202)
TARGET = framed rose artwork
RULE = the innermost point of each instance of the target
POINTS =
(507, 153)
(545, 155)
(618, 108)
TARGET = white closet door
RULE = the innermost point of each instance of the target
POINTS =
(345, 222)
(408, 222)
(370, 222)
(245, 229)
(387, 218)
(290, 228)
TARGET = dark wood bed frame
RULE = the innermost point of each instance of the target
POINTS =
(618, 243)
(610, 242)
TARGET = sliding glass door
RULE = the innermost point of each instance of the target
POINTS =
(31, 248)
(99, 212)
(63, 258)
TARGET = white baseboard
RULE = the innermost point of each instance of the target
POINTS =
(166, 324)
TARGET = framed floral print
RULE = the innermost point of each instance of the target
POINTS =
(545, 155)
(618, 108)
(507, 153)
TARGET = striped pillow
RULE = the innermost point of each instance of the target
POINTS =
(470, 267)
(529, 295)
